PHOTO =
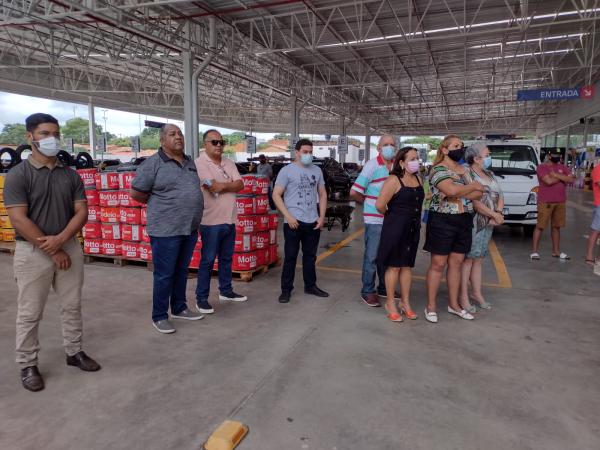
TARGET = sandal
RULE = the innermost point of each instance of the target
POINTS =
(484, 305)
(409, 313)
(535, 256)
(562, 256)
(394, 317)
(590, 262)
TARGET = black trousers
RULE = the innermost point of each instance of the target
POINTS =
(306, 235)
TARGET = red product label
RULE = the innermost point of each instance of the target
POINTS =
(132, 216)
(110, 215)
(244, 224)
(126, 200)
(109, 198)
(261, 204)
(249, 181)
(111, 247)
(93, 199)
(111, 231)
(92, 246)
(273, 254)
(261, 185)
(216, 264)
(244, 205)
(272, 237)
(198, 246)
(94, 213)
(87, 176)
(130, 250)
(273, 221)
(195, 261)
(244, 261)
(261, 223)
(107, 180)
(244, 242)
(262, 257)
(145, 252)
(145, 237)
(131, 232)
(144, 216)
(125, 179)
(262, 240)
(92, 230)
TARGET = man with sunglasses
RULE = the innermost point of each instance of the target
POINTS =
(220, 180)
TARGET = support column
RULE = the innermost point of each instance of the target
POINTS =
(294, 123)
(367, 143)
(188, 99)
(585, 131)
(92, 130)
(555, 138)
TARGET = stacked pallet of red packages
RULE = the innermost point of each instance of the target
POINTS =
(132, 219)
(92, 231)
(256, 228)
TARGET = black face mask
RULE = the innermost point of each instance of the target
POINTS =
(555, 159)
(457, 155)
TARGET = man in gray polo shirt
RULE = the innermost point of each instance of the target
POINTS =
(47, 206)
(168, 182)
(299, 189)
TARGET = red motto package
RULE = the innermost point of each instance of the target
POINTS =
(261, 204)
(92, 230)
(94, 213)
(111, 231)
(195, 261)
(261, 185)
(108, 198)
(132, 216)
(87, 176)
(273, 254)
(130, 250)
(144, 216)
(111, 247)
(249, 181)
(110, 215)
(145, 237)
(145, 252)
(272, 237)
(261, 223)
(262, 240)
(131, 232)
(92, 246)
(244, 261)
(273, 221)
(244, 224)
(244, 205)
(107, 180)
(125, 179)
(92, 197)
(126, 200)
(244, 242)
(262, 257)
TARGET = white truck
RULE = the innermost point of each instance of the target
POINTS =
(514, 163)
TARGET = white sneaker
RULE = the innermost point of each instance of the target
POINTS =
(431, 316)
(462, 314)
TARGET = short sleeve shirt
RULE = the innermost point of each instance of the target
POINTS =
(369, 183)
(49, 194)
(439, 201)
(301, 190)
(265, 170)
(176, 203)
(218, 209)
(556, 193)
(596, 181)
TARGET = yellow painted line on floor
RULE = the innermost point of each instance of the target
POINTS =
(501, 271)
(330, 251)
(579, 207)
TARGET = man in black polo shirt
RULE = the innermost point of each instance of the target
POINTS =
(47, 206)
(169, 183)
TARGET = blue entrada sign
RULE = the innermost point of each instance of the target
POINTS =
(584, 92)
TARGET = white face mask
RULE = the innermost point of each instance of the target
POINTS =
(49, 146)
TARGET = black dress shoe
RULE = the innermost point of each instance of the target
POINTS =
(285, 296)
(83, 361)
(31, 379)
(316, 291)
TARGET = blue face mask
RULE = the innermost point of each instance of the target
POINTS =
(487, 162)
(387, 152)
(306, 159)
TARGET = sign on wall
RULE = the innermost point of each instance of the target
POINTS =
(250, 144)
(584, 92)
(342, 144)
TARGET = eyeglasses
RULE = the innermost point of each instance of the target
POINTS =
(216, 142)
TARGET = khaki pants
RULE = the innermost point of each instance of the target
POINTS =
(35, 274)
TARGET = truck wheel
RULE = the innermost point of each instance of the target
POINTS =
(65, 158)
(14, 158)
(84, 161)
(528, 230)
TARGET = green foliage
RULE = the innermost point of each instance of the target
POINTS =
(263, 146)
(149, 139)
(78, 129)
(235, 137)
(13, 133)
(433, 142)
(120, 141)
(282, 136)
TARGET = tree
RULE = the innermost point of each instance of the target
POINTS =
(150, 139)
(13, 133)
(433, 142)
(120, 141)
(78, 129)
(235, 137)
(282, 136)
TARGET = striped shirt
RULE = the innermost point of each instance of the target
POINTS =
(369, 183)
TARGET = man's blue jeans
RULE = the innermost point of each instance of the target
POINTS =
(171, 258)
(370, 267)
(217, 240)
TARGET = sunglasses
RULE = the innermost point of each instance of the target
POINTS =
(216, 142)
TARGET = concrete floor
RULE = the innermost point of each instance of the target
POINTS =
(323, 374)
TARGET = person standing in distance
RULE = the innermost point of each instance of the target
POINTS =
(299, 191)
(168, 182)
(266, 170)
(46, 204)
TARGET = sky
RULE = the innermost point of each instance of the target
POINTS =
(14, 108)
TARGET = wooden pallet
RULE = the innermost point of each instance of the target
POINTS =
(118, 261)
(247, 275)
(7, 247)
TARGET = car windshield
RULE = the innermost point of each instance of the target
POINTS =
(513, 159)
